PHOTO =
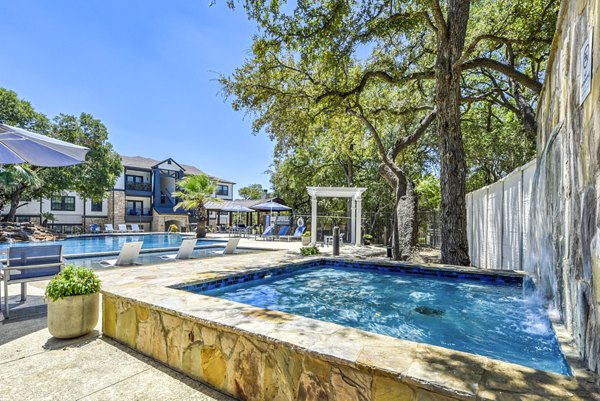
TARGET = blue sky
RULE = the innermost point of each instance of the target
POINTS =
(147, 69)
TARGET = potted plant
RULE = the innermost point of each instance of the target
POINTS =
(367, 239)
(72, 297)
(306, 238)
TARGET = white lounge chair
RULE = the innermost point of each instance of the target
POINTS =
(123, 228)
(136, 228)
(127, 256)
(108, 228)
(229, 248)
(185, 250)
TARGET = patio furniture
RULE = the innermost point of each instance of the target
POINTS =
(108, 228)
(94, 228)
(30, 263)
(297, 234)
(229, 248)
(135, 228)
(123, 228)
(185, 250)
(127, 256)
(283, 230)
(268, 233)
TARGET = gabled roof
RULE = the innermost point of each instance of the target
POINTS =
(148, 164)
(167, 161)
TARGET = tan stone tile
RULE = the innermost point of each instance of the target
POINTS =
(389, 389)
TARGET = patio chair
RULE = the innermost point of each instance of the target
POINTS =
(268, 233)
(297, 234)
(108, 228)
(283, 230)
(123, 228)
(94, 228)
(229, 248)
(30, 263)
(135, 228)
(127, 256)
(329, 239)
(185, 250)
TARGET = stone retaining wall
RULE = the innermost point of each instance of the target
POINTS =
(566, 256)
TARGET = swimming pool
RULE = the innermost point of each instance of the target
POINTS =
(114, 243)
(494, 317)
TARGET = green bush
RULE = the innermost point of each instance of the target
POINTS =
(306, 234)
(368, 237)
(72, 281)
(309, 250)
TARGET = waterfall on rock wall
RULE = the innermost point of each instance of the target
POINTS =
(542, 259)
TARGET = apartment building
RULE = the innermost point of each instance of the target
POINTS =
(143, 194)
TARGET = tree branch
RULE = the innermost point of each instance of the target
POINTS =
(505, 69)
(412, 138)
(440, 22)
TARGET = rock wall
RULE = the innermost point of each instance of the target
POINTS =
(565, 254)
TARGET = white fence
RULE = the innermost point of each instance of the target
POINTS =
(498, 220)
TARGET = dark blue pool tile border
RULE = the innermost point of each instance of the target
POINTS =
(492, 278)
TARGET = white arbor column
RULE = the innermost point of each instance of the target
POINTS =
(313, 221)
(353, 223)
(358, 223)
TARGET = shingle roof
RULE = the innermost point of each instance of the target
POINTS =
(148, 163)
(243, 202)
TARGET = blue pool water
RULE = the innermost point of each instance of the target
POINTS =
(114, 243)
(504, 322)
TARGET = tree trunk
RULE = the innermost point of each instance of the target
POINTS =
(15, 199)
(201, 226)
(404, 222)
(453, 214)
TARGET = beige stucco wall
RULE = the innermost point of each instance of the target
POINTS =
(566, 258)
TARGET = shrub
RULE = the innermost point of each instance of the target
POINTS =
(306, 234)
(73, 281)
(368, 237)
(309, 250)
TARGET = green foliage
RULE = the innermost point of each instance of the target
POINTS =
(194, 192)
(253, 191)
(309, 250)
(72, 281)
(306, 234)
(368, 237)
(428, 190)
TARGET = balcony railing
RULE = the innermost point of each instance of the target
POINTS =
(139, 186)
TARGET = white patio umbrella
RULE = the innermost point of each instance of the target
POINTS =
(237, 208)
(21, 146)
(271, 206)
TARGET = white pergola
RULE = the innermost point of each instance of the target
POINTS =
(338, 192)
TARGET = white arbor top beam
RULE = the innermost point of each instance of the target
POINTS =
(336, 192)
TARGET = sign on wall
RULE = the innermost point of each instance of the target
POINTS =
(585, 73)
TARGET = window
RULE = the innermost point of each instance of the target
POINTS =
(96, 206)
(23, 219)
(134, 178)
(222, 190)
(135, 208)
(64, 203)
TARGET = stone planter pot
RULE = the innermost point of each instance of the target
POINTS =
(305, 241)
(74, 316)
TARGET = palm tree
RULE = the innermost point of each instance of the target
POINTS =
(195, 191)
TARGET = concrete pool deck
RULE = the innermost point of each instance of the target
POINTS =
(97, 367)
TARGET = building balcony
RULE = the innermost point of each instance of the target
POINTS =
(138, 188)
(138, 215)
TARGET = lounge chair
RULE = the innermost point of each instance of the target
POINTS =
(297, 234)
(136, 228)
(94, 228)
(108, 228)
(229, 248)
(123, 228)
(127, 256)
(268, 233)
(283, 230)
(30, 263)
(185, 250)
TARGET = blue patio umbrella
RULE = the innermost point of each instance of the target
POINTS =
(21, 146)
